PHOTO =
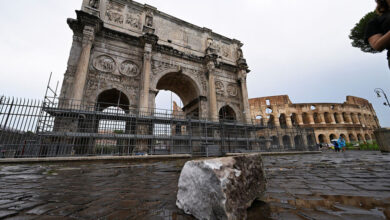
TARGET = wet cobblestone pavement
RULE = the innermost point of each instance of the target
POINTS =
(352, 185)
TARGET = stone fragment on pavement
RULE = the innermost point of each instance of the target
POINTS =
(221, 188)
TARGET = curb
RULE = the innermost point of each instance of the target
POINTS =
(95, 158)
(276, 153)
(135, 158)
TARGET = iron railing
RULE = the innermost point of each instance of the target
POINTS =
(55, 127)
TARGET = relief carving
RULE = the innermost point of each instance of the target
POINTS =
(219, 87)
(232, 90)
(114, 13)
(149, 18)
(104, 63)
(220, 48)
(226, 51)
(128, 68)
(134, 21)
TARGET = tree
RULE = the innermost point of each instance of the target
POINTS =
(357, 33)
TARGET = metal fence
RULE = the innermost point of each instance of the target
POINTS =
(53, 128)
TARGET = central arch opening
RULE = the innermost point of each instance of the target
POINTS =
(184, 93)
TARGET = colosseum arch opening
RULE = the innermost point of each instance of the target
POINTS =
(311, 141)
(352, 138)
(322, 139)
(360, 137)
(294, 119)
(283, 121)
(271, 121)
(328, 118)
(298, 141)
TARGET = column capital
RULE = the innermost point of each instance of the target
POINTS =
(88, 35)
(242, 75)
(148, 52)
(242, 65)
(149, 39)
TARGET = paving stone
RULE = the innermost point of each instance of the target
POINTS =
(65, 211)
(7, 213)
(93, 212)
(317, 215)
(25, 205)
(119, 215)
(45, 208)
(309, 184)
(21, 217)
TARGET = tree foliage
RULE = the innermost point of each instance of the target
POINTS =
(357, 33)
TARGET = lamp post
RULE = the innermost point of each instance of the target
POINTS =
(378, 92)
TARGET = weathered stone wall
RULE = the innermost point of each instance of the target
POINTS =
(354, 119)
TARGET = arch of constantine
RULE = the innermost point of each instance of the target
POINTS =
(355, 119)
(124, 53)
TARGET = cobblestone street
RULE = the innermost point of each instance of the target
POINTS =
(352, 185)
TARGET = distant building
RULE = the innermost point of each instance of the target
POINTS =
(355, 119)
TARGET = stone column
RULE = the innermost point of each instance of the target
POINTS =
(340, 118)
(289, 122)
(355, 119)
(276, 120)
(322, 118)
(300, 119)
(80, 76)
(213, 112)
(332, 119)
(348, 118)
(244, 91)
(311, 119)
(145, 78)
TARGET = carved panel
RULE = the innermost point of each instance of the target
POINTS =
(128, 68)
(134, 21)
(219, 87)
(104, 63)
(114, 12)
(220, 48)
(232, 90)
(149, 18)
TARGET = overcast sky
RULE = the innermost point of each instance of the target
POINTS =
(295, 47)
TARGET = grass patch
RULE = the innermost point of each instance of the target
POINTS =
(370, 146)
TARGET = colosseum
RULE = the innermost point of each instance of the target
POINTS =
(355, 119)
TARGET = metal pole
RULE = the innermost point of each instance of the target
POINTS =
(378, 92)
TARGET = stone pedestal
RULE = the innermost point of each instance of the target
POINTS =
(222, 188)
(382, 136)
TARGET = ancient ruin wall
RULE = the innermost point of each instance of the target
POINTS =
(354, 119)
